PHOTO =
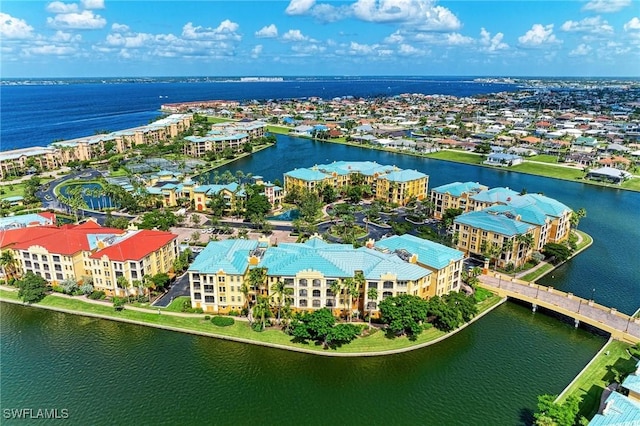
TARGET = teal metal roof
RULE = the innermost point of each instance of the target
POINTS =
(337, 260)
(495, 195)
(632, 382)
(230, 256)
(493, 222)
(548, 205)
(429, 253)
(458, 188)
(528, 213)
(307, 175)
(214, 189)
(405, 176)
(619, 410)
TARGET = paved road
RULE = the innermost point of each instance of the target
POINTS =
(179, 288)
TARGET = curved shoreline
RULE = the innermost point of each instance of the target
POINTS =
(255, 342)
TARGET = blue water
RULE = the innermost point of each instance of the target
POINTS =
(288, 215)
(36, 115)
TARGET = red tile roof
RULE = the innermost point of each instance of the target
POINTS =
(136, 246)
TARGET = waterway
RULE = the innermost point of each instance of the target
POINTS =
(611, 266)
(106, 372)
(489, 373)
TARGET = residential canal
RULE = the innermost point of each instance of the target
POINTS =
(106, 372)
(489, 373)
(611, 265)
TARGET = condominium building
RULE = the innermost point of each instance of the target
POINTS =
(453, 196)
(387, 183)
(233, 135)
(309, 269)
(72, 252)
(444, 262)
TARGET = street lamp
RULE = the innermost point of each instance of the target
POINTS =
(593, 292)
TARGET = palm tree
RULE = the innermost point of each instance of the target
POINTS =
(244, 289)
(280, 290)
(335, 288)
(8, 263)
(262, 309)
(123, 284)
(351, 287)
(576, 216)
(372, 295)
(360, 282)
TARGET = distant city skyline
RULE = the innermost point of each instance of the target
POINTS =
(97, 38)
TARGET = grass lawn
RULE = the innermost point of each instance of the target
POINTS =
(215, 120)
(281, 130)
(549, 171)
(544, 158)
(118, 173)
(632, 184)
(375, 342)
(15, 189)
(176, 305)
(586, 240)
(532, 276)
(457, 156)
(594, 379)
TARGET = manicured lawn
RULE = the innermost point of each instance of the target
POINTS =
(118, 173)
(375, 342)
(549, 171)
(281, 130)
(218, 119)
(594, 379)
(457, 156)
(534, 275)
(632, 184)
(544, 158)
(586, 239)
(15, 189)
(176, 305)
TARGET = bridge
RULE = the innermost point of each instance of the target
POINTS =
(621, 326)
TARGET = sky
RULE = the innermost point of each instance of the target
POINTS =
(512, 38)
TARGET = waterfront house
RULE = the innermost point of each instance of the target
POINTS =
(503, 160)
(453, 196)
(609, 174)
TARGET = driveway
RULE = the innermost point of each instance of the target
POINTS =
(180, 287)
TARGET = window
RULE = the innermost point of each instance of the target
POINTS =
(316, 303)
(233, 299)
(316, 282)
(27, 255)
(329, 303)
(288, 281)
(209, 299)
(196, 286)
(387, 294)
(222, 289)
(208, 288)
(221, 279)
(302, 293)
(56, 258)
(27, 263)
(316, 293)
(303, 282)
(59, 277)
(223, 299)
(303, 303)
(47, 276)
(331, 282)
(35, 257)
(388, 284)
(197, 296)
(372, 284)
(402, 283)
(330, 293)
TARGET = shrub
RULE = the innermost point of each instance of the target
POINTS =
(96, 295)
(234, 313)
(222, 321)
(57, 289)
(86, 288)
(207, 317)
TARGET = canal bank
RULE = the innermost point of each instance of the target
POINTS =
(195, 324)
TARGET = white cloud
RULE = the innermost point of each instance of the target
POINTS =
(14, 28)
(92, 4)
(492, 44)
(256, 51)
(129, 41)
(225, 31)
(60, 7)
(307, 49)
(50, 49)
(299, 7)
(419, 13)
(539, 35)
(606, 6)
(580, 50)
(294, 35)
(457, 39)
(633, 24)
(408, 50)
(61, 36)
(84, 20)
(361, 49)
(394, 38)
(593, 25)
(269, 31)
(119, 28)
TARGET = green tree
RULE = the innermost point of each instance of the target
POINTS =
(123, 283)
(282, 292)
(160, 281)
(320, 326)
(257, 205)
(32, 288)
(335, 288)
(354, 292)
(558, 253)
(574, 220)
(444, 316)
(558, 414)
(372, 295)
(262, 310)
(8, 263)
(159, 219)
(404, 314)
